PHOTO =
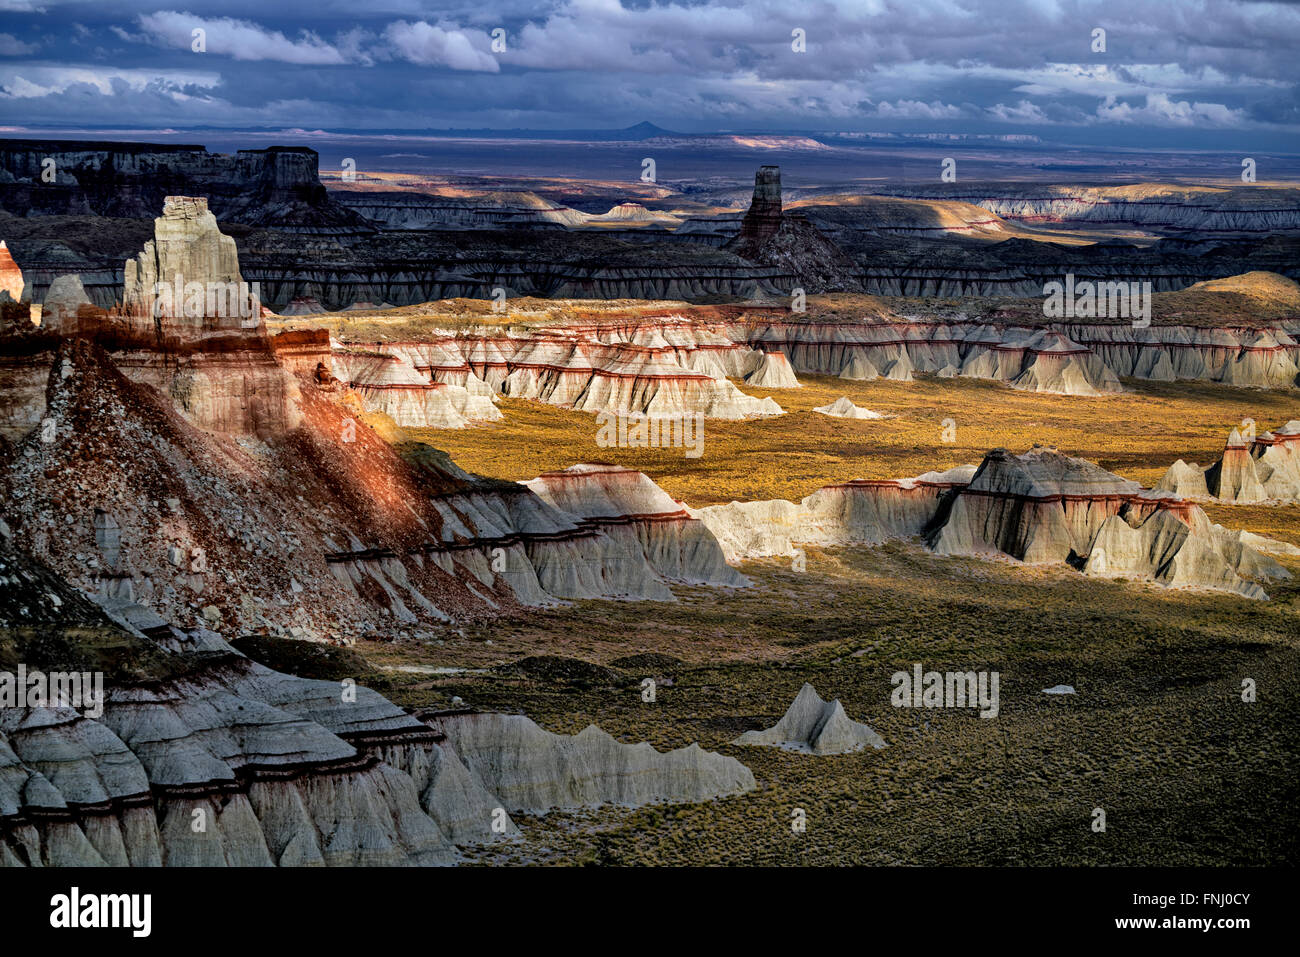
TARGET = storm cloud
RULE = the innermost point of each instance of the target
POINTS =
(1150, 69)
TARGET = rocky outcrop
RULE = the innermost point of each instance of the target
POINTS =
(627, 506)
(186, 282)
(1179, 548)
(1039, 508)
(533, 770)
(201, 757)
(388, 383)
(762, 221)
(861, 512)
(66, 306)
(1045, 507)
(1184, 480)
(788, 241)
(1044, 362)
(773, 372)
(278, 187)
(11, 277)
(843, 408)
(814, 726)
(313, 525)
(576, 370)
(1263, 469)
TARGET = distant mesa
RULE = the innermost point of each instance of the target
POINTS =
(635, 213)
(814, 726)
(278, 187)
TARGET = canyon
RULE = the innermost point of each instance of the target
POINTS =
(190, 493)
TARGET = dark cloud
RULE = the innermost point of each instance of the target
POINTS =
(1167, 70)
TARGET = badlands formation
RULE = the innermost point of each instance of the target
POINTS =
(690, 361)
(280, 770)
(168, 476)
(814, 726)
(173, 479)
(1041, 507)
(1263, 469)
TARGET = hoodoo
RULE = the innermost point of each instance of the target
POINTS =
(1265, 468)
(763, 218)
(186, 282)
(770, 236)
(773, 372)
(815, 726)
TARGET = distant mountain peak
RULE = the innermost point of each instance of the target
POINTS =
(645, 130)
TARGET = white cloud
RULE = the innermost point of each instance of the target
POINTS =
(917, 110)
(428, 45)
(238, 39)
(30, 81)
(1160, 110)
(1022, 112)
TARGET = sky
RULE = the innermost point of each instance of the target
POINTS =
(1196, 73)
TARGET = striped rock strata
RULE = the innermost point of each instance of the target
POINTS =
(1039, 508)
(626, 504)
(572, 369)
(389, 384)
(1264, 469)
(219, 761)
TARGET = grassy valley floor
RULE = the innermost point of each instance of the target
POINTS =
(1138, 434)
(1157, 735)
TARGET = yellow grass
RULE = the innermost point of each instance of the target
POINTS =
(1138, 434)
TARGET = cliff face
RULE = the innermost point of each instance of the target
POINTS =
(278, 187)
(394, 209)
(763, 219)
(1166, 208)
(191, 754)
(171, 286)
